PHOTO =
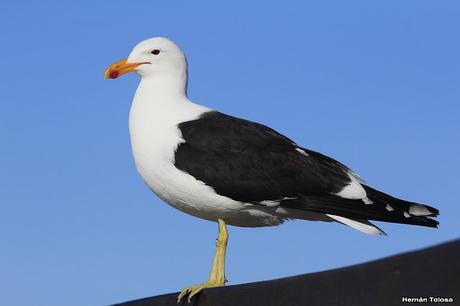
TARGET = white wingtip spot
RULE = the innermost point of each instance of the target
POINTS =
(367, 201)
(353, 191)
(419, 210)
(389, 207)
(288, 198)
(281, 210)
(269, 203)
(406, 214)
(301, 151)
(273, 203)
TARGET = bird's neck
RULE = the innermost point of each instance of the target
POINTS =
(163, 100)
(169, 86)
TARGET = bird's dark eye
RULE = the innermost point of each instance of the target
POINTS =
(155, 52)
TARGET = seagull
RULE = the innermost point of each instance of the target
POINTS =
(234, 171)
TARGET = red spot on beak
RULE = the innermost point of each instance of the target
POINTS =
(113, 74)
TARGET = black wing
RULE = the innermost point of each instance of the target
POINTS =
(250, 162)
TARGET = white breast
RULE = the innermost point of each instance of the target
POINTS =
(154, 139)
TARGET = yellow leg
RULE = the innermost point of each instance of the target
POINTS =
(217, 277)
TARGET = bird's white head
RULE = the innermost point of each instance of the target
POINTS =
(156, 57)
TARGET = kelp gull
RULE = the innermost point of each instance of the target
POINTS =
(234, 171)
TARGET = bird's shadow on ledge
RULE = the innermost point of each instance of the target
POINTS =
(432, 272)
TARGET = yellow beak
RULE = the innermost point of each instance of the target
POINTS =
(121, 67)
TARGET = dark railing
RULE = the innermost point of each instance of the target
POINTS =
(427, 276)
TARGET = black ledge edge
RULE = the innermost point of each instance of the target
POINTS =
(431, 272)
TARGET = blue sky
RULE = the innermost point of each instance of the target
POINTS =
(373, 84)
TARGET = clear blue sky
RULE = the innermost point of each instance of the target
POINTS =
(374, 84)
